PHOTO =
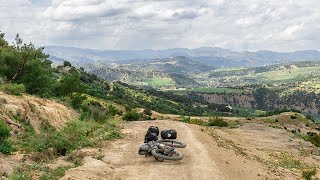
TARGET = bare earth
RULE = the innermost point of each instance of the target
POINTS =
(204, 158)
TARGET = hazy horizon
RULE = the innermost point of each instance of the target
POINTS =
(95, 49)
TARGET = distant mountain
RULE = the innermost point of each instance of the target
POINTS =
(169, 72)
(217, 57)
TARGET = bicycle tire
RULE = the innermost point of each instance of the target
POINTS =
(173, 143)
(157, 154)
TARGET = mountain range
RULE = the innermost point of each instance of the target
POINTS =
(213, 56)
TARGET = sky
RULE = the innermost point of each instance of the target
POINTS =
(243, 25)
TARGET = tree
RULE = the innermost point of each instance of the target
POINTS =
(23, 63)
(67, 63)
(26, 53)
(70, 84)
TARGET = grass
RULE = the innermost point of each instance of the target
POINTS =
(50, 143)
(309, 174)
(214, 121)
(287, 161)
(26, 172)
(258, 113)
(13, 89)
(155, 82)
(5, 145)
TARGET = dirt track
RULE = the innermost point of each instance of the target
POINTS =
(203, 159)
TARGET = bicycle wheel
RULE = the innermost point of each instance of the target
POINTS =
(175, 156)
(173, 143)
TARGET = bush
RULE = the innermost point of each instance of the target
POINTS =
(131, 116)
(314, 138)
(217, 122)
(13, 89)
(50, 143)
(309, 174)
(4, 131)
(6, 147)
(147, 112)
(77, 100)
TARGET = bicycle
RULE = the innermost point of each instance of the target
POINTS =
(163, 149)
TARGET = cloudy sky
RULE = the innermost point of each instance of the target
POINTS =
(278, 25)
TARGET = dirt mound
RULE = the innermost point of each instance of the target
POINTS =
(34, 110)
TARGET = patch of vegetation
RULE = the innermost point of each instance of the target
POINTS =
(50, 143)
(193, 121)
(288, 161)
(213, 121)
(309, 174)
(13, 89)
(25, 172)
(314, 138)
(218, 90)
(217, 122)
(259, 113)
(5, 145)
(131, 116)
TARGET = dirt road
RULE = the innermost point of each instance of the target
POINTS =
(203, 159)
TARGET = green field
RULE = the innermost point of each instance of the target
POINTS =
(155, 82)
(285, 75)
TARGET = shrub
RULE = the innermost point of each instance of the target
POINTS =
(77, 99)
(147, 112)
(13, 89)
(217, 122)
(112, 110)
(4, 131)
(309, 174)
(20, 174)
(314, 138)
(131, 116)
(293, 117)
(185, 119)
(96, 113)
(6, 147)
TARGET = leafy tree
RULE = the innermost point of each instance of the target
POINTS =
(67, 63)
(38, 78)
(24, 63)
(70, 84)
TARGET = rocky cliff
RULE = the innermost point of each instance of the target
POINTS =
(269, 100)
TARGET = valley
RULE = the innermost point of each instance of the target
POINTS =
(83, 119)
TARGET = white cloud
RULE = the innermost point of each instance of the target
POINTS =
(139, 24)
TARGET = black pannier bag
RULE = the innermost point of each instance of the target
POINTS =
(150, 137)
(154, 129)
(169, 134)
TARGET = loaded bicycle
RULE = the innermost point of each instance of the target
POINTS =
(161, 149)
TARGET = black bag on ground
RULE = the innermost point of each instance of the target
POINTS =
(150, 137)
(154, 129)
(169, 134)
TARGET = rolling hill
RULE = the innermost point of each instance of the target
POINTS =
(207, 55)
